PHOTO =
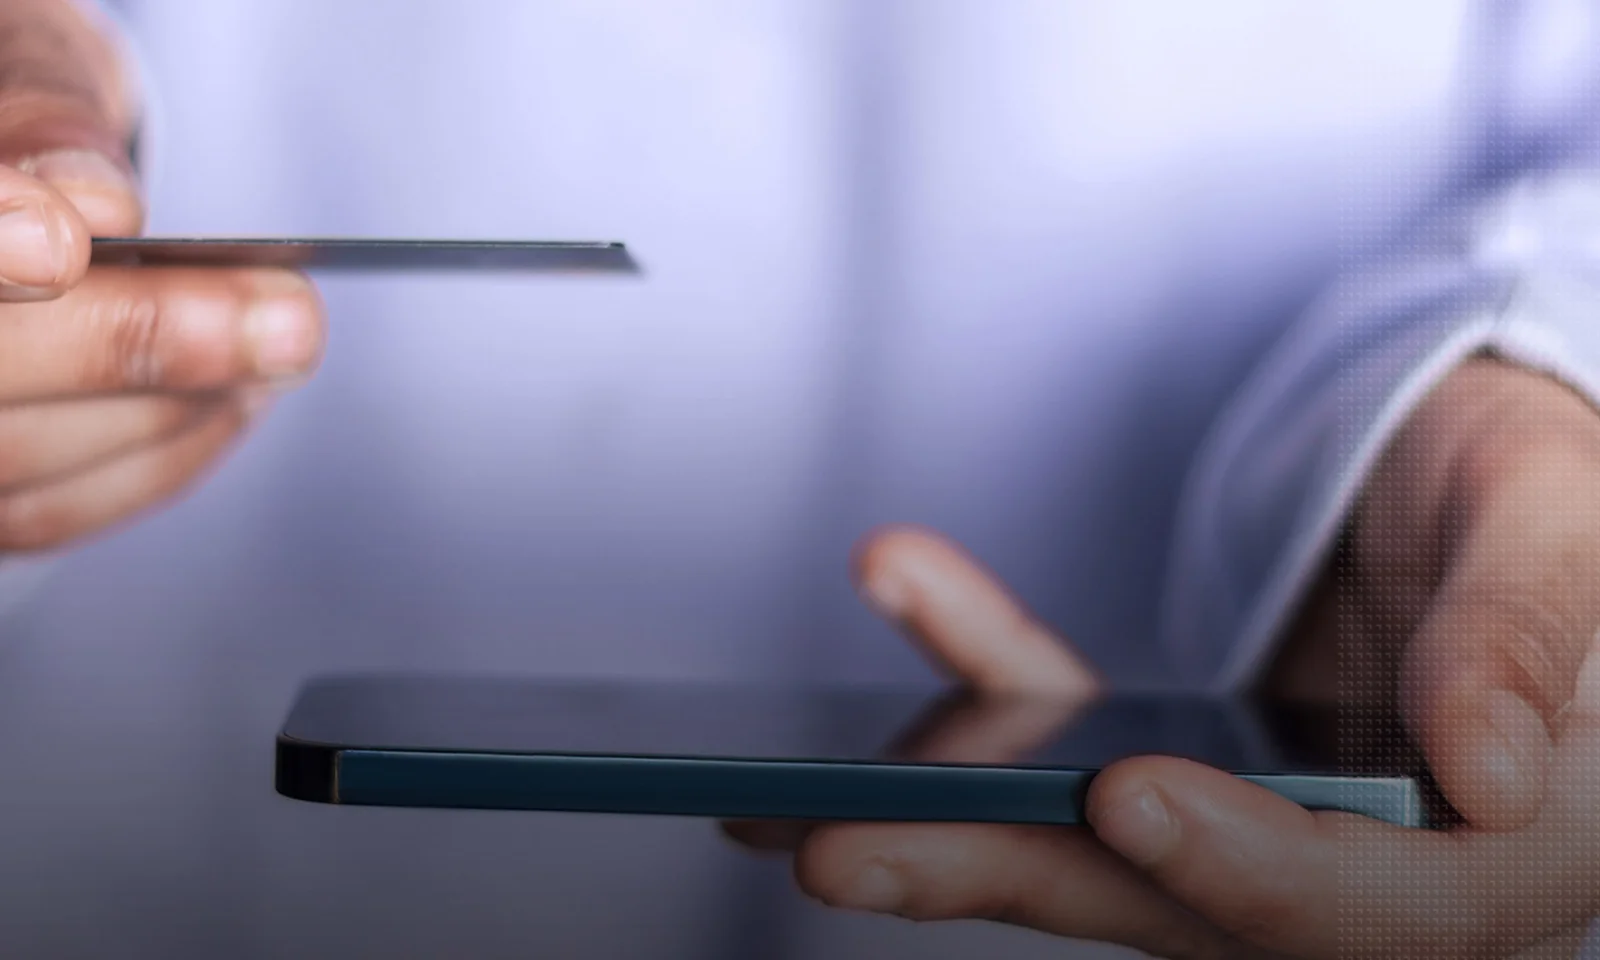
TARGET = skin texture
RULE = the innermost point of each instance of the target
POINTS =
(118, 388)
(1463, 605)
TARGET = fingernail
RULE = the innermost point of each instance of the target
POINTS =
(876, 890)
(65, 169)
(1140, 828)
(282, 331)
(33, 250)
(886, 595)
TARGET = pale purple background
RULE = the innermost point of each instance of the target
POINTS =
(988, 266)
(992, 265)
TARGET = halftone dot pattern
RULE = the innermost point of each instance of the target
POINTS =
(1468, 581)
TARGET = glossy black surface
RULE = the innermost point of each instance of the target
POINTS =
(138, 819)
(765, 721)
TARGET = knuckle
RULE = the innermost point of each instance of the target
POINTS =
(128, 333)
(1533, 633)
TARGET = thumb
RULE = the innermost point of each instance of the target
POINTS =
(1494, 667)
(65, 126)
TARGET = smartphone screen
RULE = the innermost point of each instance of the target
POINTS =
(788, 723)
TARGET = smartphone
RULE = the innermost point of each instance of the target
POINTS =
(368, 255)
(754, 752)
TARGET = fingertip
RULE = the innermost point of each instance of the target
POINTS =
(285, 325)
(1119, 782)
(893, 561)
(826, 863)
(960, 614)
(1491, 759)
(887, 597)
(1153, 810)
(1127, 805)
(1137, 823)
(881, 549)
(872, 887)
(876, 868)
(882, 567)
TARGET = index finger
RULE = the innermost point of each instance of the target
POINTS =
(960, 616)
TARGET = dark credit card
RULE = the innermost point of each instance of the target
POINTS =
(359, 255)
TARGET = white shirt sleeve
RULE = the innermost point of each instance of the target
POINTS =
(1518, 275)
(1515, 273)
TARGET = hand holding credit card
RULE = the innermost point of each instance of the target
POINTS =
(120, 388)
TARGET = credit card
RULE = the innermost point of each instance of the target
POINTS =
(368, 255)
